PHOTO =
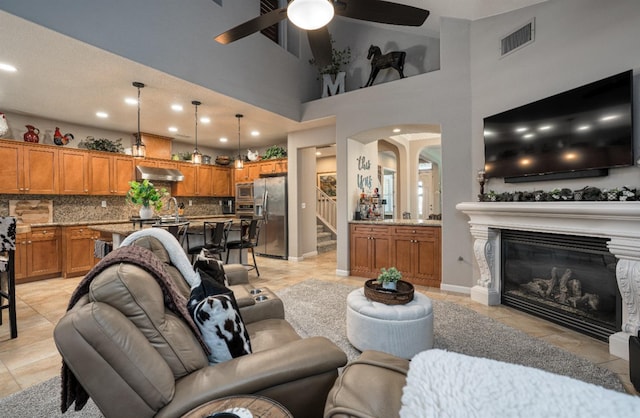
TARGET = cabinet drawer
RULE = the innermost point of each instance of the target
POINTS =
(80, 232)
(44, 233)
(369, 229)
(415, 230)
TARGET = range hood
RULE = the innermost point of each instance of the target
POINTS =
(161, 174)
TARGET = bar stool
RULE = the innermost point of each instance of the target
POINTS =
(249, 232)
(178, 230)
(214, 239)
(7, 271)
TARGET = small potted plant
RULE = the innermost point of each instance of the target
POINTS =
(388, 278)
(148, 197)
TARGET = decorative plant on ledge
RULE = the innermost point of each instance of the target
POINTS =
(148, 197)
(339, 58)
(275, 151)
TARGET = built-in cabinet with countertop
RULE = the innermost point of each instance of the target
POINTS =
(38, 254)
(414, 249)
(253, 170)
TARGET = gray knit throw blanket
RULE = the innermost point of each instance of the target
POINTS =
(72, 390)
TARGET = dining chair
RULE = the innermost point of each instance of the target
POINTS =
(8, 272)
(178, 230)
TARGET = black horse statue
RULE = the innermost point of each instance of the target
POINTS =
(393, 59)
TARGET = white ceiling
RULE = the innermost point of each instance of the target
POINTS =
(66, 80)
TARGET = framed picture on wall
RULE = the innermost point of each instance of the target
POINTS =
(327, 183)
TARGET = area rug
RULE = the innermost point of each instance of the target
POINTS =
(316, 307)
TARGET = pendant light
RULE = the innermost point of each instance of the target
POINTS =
(196, 157)
(239, 163)
(310, 14)
(138, 150)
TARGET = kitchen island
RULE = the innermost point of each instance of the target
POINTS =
(413, 246)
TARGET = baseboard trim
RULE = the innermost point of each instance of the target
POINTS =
(310, 254)
(456, 289)
(291, 258)
(342, 273)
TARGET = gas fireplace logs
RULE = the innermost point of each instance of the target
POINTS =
(566, 291)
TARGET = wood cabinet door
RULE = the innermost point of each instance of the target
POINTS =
(77, 250)
(21, 256)
(40, 170)
(427, 259)
(99, 174)
(122, 173)
(221, 181)
(380, 254)
(241, 175)
(267, 167)
(402, 254)
(253, 172)
(360, 255)
(43, 253)
(11, 169)
(186, 187)
(204, 180)
(74, 172)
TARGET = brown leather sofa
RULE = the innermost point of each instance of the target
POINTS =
(369, 387)
(135, 358)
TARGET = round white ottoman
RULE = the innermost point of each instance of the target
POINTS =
(401, 330)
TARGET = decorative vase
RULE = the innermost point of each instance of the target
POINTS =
(146, 212)
(389, 285)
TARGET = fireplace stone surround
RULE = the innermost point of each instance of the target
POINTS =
(619, 222)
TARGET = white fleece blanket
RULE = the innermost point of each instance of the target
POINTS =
(176, 252)
(445, 384)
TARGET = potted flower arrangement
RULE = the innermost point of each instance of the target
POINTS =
(147, 196)
(388, 278)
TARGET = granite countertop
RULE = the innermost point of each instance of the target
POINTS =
(128, 228)
(406, 222)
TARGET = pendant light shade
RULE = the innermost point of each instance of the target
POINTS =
(138, 150)
(310, 14)
(239, 163)
(196, 157)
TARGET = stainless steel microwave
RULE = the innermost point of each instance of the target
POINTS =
(244, 192)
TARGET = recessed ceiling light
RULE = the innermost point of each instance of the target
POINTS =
(131, 101)
(608, 118)
(176, 107)
(255, 133)
(396, 130)
(522, 129)
(584, 127)
(102, 115)
(205, 119)
(223, 139)
(173, 129)
(528, 136)
(545, 128)
(318, 153)
(8, 68)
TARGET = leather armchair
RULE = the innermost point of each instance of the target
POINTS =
(136, 358)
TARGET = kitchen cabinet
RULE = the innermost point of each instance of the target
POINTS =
(370, 250)
(273, 166)
(221, 182)
(253, 170)
(186, 187)
(74, 171)
(77, 250)
(28, 169)
(416, 254)
(198, 181)
(109, 174)
(38, 254)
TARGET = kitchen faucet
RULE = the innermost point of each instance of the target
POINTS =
(175, 205)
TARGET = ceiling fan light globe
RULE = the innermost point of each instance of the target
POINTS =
(310, 14)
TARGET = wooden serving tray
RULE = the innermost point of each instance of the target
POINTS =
(402, 295)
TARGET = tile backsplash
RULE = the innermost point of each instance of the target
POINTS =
(89, 208)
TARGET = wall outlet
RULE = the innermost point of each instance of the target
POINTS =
(191, 203)
(303, 205)
(104, 204)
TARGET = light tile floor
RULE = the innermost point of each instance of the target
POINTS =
(33, 357)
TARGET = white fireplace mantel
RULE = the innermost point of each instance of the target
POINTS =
(619, 222)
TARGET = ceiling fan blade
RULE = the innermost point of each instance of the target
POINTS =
(381, 12)
(320, 44)
(252, 26)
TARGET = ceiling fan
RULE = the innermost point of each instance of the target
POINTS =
(313, 16)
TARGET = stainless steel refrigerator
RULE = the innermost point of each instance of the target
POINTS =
(270, 194)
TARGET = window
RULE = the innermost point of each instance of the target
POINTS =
(388, 192)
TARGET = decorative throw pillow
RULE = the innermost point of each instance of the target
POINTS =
(213, 267)
(222, 328)
(215, 312)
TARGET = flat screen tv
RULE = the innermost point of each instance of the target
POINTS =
(578, 133)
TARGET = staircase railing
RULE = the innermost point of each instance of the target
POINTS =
(326, 210)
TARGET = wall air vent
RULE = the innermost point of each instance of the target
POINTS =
(517, 39)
